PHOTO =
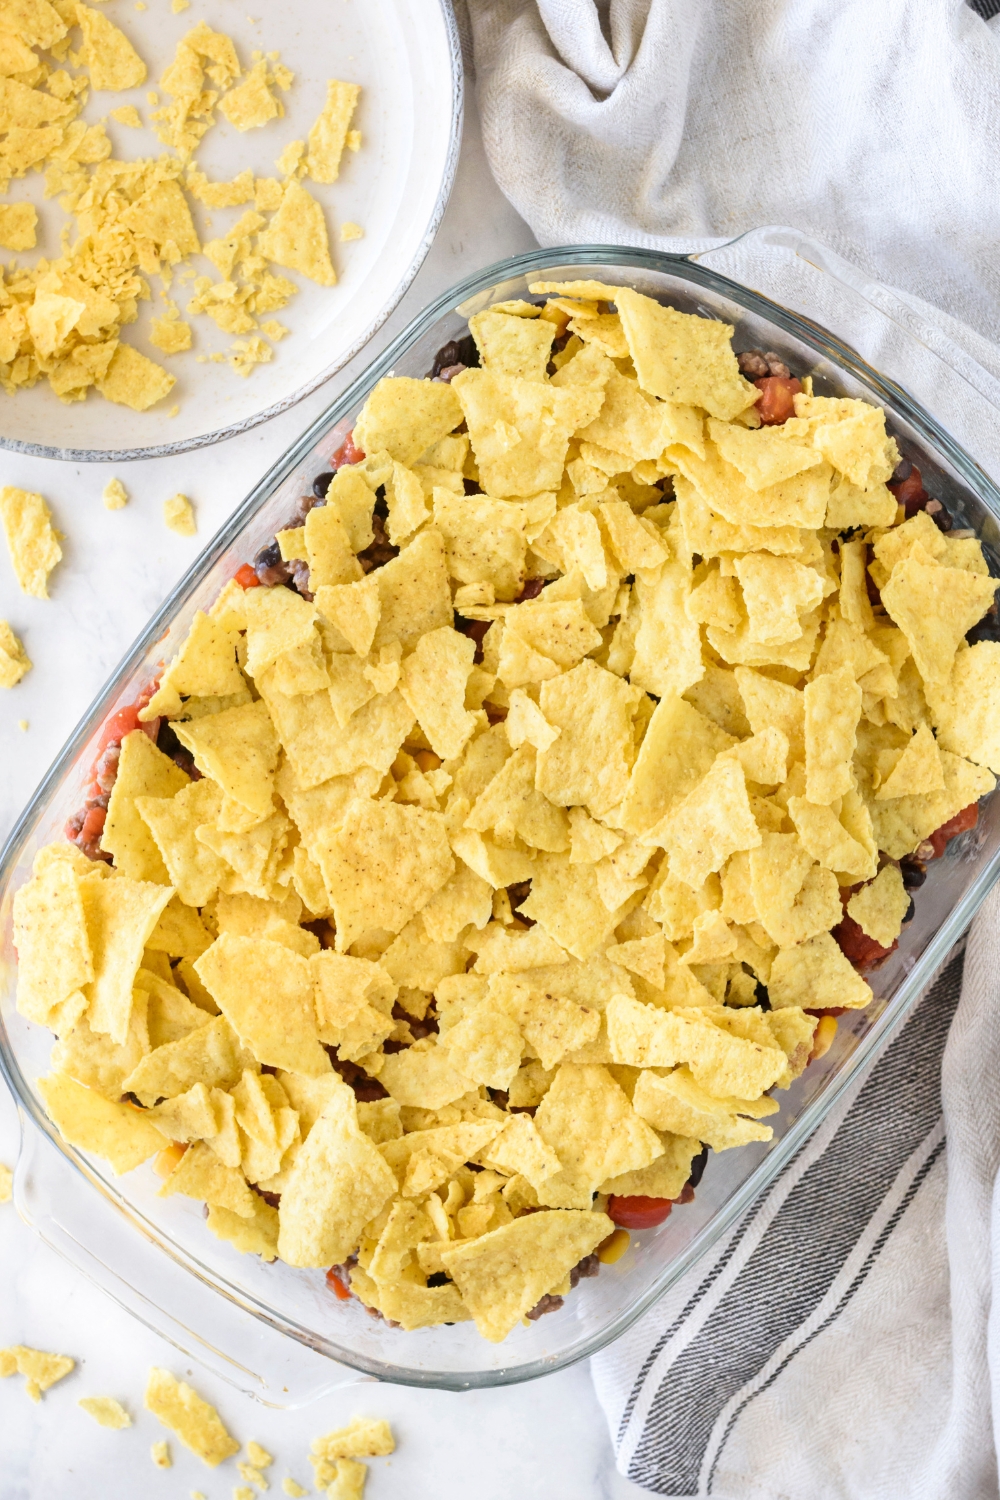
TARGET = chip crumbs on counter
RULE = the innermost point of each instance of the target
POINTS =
(40, 1370)
(106, 1411)
(258, 1456)
(31, 539)
(6, 1184)
(160, 1454)
(193, 1420)
(293, 1489)
(178, 513)
(114, 495)
(14, 660)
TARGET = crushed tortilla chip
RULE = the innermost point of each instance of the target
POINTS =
(193, 1420)
(31, 539)
(14, 660)
(40, 1370)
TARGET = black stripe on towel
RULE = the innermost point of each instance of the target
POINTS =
(803, 1250)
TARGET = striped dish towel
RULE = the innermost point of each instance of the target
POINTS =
(839, 1344)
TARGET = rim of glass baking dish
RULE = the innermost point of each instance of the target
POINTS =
(206, 439)
(824, 344)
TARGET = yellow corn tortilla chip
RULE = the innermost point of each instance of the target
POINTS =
(194, 1421)
(501, 1275)
(353, 998)
(363, 1437)
(485, 1045)
(484, 540)
(85, 1119)
(251, 1236)
(54, 954)
(554, 1028)
(917, 770)
(644, 1036)
(520, 429)
(513, 345)
(711, 823)
(209, 1055)
(109, 56)
(432, 681)
(684, 358)
(200, 1174)
(825, 838)
(143, 771)
(413, 592)
(265, 991)
(423, 1076)
(902, 823)
(677, 1103)
(587, 1119)
(133, 380)
(382, 865)
(520, 1148)
(252, 103)
(121, 915)
(404, 417)
(328, 134)
(17, 226)
(31, 539)
(40, 1370)
(237, 748)
(14, 660)
(337, 1183)
(587, 704)
(816, 974)
(106, 1411)
(776, 591)
(966, 713)
(766, 456)
(193, 868)
(880, 906)
(663, 1178)
(935, 607)
(566, 902)
(204, 667)
(296, 237)
(832, 706)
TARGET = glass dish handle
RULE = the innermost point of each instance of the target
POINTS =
(89, 1232)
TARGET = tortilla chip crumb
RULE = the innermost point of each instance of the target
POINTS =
(14, 660)
(194, 1421)
(114, 495)
(6, 1183)
(106, 1411)
(250, 352)
(293, 1489)
(172, 335)
(272, 329)
(296, 237)
(133, 380)
(349, 231)
(160, 1454)
(178, 513)
(127, 114)
(40, 1370)
(31, 539)
(23, 725)
(258, 1456)
(178, 5)
(17, 226)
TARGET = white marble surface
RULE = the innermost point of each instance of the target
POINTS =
(544, 1439)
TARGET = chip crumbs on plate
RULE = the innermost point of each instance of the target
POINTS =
(14, 660)
(106, 1411)
(496, 870)
(193, 1420)
(63, 319)
(178, 513)
(40, 1370)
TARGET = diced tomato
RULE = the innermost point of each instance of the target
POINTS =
(775, 404)
(910, 491)
(960, 823)
(93, 825)
(347, 453)
(638, 1212)
(337, 1287)
(855, 944)
(246, 577)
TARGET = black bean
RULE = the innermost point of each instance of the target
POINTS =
(698, 1166)
(913, 874)
(270, 567)
(321, 484)
(911, 912)
(532, 588)
(902, 471)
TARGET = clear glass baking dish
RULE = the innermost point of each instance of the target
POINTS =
(277, 1331)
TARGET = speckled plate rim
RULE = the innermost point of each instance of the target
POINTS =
(203, 440)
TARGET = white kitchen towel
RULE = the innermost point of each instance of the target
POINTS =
(842, 1344)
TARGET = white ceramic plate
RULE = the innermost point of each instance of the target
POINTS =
(406, 57)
